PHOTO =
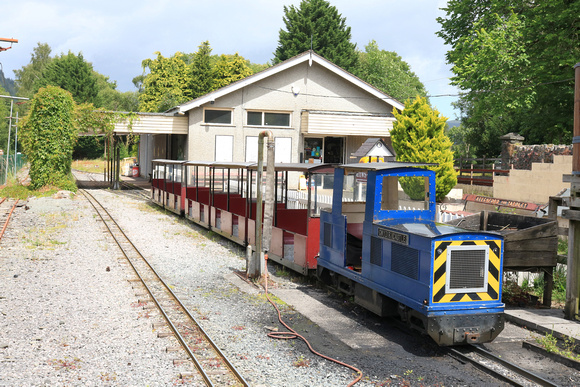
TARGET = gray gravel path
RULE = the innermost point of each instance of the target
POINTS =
(68, 315)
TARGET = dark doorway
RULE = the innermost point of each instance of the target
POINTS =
(333, 149)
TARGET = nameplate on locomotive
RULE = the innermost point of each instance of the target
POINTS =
(393, 236)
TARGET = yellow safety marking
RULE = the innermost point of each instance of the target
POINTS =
(493, 283)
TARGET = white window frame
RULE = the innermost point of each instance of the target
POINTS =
(231, 123)
(263, 113)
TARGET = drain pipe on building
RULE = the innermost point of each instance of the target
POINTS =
(256, 263)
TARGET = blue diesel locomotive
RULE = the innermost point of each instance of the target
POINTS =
(389, 253)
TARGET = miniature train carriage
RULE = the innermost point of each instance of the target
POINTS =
(166, 184)
(391, 255)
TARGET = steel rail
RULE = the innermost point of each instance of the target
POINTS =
(453, 352)
(513, 367)
(165, 316)
(180, 338)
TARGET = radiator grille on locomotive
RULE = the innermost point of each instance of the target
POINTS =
(405, 261)
(467, 269)
(376, 251)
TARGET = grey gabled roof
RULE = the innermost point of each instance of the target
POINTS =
(308, 56)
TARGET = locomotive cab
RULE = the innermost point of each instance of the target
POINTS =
(381, 244)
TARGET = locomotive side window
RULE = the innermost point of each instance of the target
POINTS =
(354, 187)
(409, 193)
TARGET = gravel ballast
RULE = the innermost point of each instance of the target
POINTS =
(69, 315)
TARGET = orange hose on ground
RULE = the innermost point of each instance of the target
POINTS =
(8, 219)
(292, 334)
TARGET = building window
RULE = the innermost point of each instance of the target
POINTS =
(269, 119)
(212, 116)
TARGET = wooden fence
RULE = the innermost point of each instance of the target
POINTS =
(478, 171)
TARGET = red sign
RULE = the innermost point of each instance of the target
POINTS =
(361, 177)
(502, 202)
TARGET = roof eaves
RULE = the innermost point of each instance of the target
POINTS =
(310, 56)
(243, 82)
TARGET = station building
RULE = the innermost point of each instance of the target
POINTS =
(317, 112)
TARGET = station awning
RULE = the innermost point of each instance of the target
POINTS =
(153, 123)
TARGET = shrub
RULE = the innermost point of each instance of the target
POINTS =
(48, 137)
(418, 136)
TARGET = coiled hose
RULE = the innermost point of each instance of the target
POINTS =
(292, 334)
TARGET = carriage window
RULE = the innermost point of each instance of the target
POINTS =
(177, 174)
(190, 173)
(405, 193)
(355, 187)
(159, 172)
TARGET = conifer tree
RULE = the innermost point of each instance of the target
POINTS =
(168, 83)
(201, 71)
(419, 136)
(316, 24)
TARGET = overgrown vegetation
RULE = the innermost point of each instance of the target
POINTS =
(530, 292)
(48, 136)
(567, 348)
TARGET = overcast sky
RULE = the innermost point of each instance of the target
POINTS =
(115, 36)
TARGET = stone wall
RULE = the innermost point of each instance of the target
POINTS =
(524, 156)
(541, 180)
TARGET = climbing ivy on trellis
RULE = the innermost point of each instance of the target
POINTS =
(50, 132)
(48, 136)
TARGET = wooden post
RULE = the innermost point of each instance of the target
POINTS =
(573, 267)
(471, 175)
(256, 266)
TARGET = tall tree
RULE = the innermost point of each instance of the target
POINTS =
(388, 72)
(418, 135)
(72, 73)
(514, 63)
(228, 69)
(182, 77)
(109, 98)
(27, 75)
(168, 83)
(316, 24)
(201, 71)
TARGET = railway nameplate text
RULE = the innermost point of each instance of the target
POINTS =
(393, 236)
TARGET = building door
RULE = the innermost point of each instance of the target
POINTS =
(334, 150)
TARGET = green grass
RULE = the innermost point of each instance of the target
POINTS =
(16, 190)
(95, 166)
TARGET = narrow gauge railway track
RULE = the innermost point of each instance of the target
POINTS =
(212, 365)
(126, 188)
(491, 364)
(6, 214)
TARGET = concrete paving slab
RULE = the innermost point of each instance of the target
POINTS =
(546, 321)
(342, 327)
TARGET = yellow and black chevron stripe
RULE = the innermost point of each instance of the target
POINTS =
(440, 275)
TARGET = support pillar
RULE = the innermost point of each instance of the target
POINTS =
(573, 267)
